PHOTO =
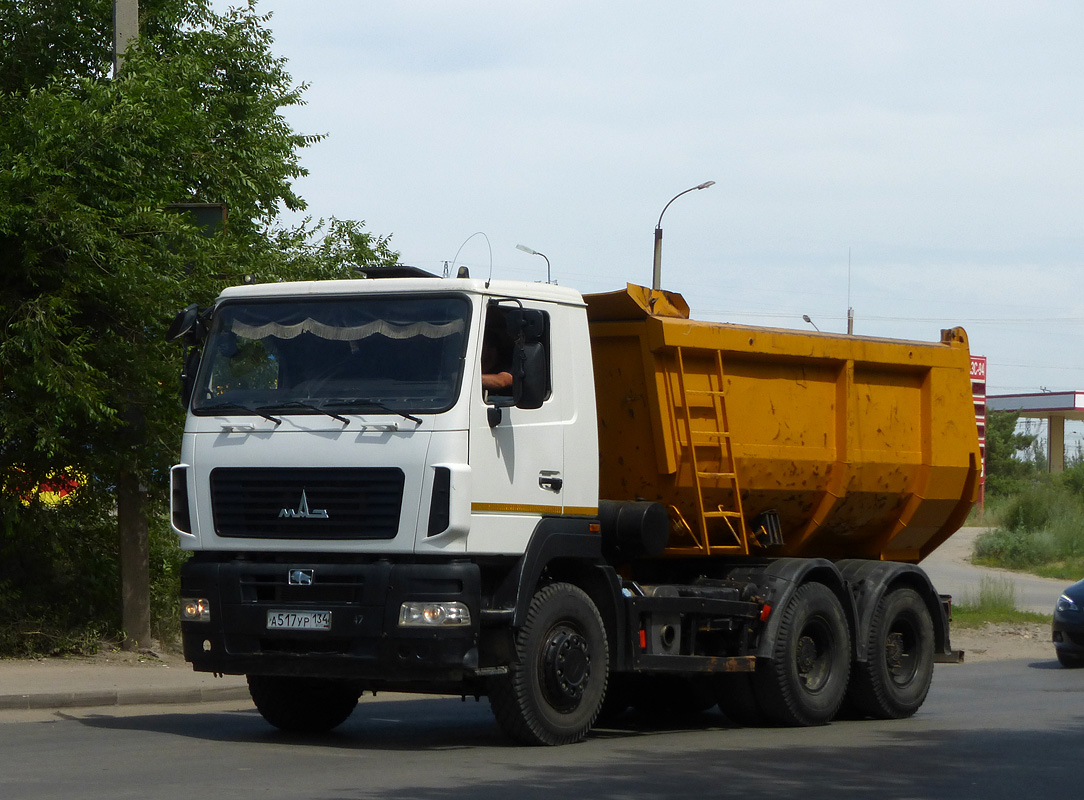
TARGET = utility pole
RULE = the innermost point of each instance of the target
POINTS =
(131, 493)
(125, 30)
(850, 309)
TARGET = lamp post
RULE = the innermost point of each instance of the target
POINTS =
(526, 249)
(656, 274)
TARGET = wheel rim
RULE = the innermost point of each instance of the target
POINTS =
(565, 667)
(901, 652)
(813, 655)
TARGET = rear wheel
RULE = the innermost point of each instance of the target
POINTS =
(554, 688)
(805, 680)
(895, 678)
(302, 705)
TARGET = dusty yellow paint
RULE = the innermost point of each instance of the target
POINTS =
(866, 448)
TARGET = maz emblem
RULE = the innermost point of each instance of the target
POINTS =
(303, 511)
(300, 577)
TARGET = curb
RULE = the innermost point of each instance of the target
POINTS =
(132, 697)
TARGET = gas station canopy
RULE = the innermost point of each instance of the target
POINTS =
(1054, 406)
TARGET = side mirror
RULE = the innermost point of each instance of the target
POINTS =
(532, 325)
(183, 323)
(530, 374)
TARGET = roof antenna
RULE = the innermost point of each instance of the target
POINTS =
(478, 233)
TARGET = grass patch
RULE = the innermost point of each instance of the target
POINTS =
(995, 602)
(991, 512)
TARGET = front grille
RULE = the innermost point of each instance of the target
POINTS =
(330, 586)
(282, 503)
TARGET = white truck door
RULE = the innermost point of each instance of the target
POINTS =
(516, 455)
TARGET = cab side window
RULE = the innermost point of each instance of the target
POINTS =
(497, 349)
(515, 355)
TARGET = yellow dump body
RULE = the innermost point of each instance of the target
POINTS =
(862, 447)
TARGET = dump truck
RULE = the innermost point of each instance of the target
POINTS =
(642, 510)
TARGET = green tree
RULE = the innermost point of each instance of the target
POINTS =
(1005, 471)
(95, 263)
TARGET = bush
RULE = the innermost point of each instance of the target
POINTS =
(1040, 529)
(60, 577)
(166, 558)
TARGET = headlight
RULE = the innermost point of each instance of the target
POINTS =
(195, 609)
(428, 615)
(1066, 603)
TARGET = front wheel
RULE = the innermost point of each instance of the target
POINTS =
(894, 680)
(302, 705)
(1069, 660)
(805, 680)
(555, 685)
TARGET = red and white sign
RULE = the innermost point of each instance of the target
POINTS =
(978, 368)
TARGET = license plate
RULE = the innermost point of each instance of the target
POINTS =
(299, 620)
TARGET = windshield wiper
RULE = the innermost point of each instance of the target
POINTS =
(238, 406)
(366, 401)
(302, 404)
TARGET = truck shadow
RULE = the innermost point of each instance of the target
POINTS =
(400, 725)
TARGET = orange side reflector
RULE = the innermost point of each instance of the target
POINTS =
(643, 639)
(765, 612)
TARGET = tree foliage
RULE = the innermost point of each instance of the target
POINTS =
(1006, 472)
(95, 260)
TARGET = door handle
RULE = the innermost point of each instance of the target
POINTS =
(551, 480)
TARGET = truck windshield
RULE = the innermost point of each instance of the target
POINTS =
(385, 354)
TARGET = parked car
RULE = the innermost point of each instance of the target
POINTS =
(1069, 626)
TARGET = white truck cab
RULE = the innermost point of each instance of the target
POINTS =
(349, 417)
(362, 514)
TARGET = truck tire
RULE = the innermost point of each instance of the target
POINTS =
(894, 680)
(556, 682)
(302, 705)
(805, 680)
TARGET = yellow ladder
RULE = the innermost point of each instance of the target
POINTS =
(727, 522)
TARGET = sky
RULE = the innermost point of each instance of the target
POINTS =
(919, 162)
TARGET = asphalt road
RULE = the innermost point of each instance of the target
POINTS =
(952, 573)
(1006, 729)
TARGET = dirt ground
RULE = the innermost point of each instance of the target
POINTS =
(998, 642)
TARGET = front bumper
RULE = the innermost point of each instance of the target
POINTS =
(1068, 632)
(364, 641)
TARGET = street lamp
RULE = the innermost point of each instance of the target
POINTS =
(526, 249)
(656, 275)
